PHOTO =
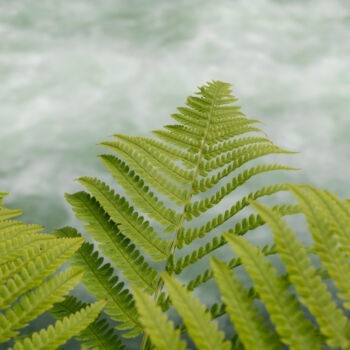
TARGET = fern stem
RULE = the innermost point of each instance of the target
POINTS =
(160, 285)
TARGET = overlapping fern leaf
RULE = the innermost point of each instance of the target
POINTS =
(27, 289)
(329, 222)
(167, 183)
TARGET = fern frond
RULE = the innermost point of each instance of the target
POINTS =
(192, 233)
(210, 202)
(36, 302)
(240, 229)
(189, 160)
(139, 193)
(203, 141)
(226, 113)
(101, 281)
(229, 123)
(97, 335)
(12, 267)
(156, 324)
(14, 248)
(132, 226)
(178, 140)
(145, 168)
(318, 213)
(193, 114)
(182, 130)
(241, 156)
(313, 293)
(9, 226)
(162, 163)
(201, 104)
(188, 120)
(285, 313)
(210, 152)
(53, 337)
(197, 320)
(204, 184)
(6, 213)
(252, 332)
(223, 135)
(26, 275)
(114, 245)
(11, 229)
(337, 214)
(233, 263)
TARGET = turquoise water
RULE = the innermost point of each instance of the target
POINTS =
(73, 73)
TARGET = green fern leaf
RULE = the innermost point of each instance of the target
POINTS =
(36, 302)
(216, 150)
(241, 156)
(6, 213)
(233, 263)
(97, 335)
(9, 229)
(132, 226)
(115, 246)
(338, 215)
(100, 280)
(145, 168)
(139, 193)
(285, 313)
(193, 145)
(156, 324)
(53, 337)
(178, 170)
(189, 160)
(14, 248)
(27, 275)
(197, 320)
(313, 292)
(323, 222)
(166, 166)
(252, 332)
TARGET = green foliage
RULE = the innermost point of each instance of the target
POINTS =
(291, 326)
(27, 286)
(63, 330)
(167, 183)
(98, 334)
(162, 332)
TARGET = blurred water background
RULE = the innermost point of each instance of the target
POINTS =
(75, 72)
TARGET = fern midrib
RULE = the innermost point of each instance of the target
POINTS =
(183, 215)
(117, 248)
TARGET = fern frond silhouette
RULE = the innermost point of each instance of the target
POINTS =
(167, 183)
(27, 290)
(328, 218)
